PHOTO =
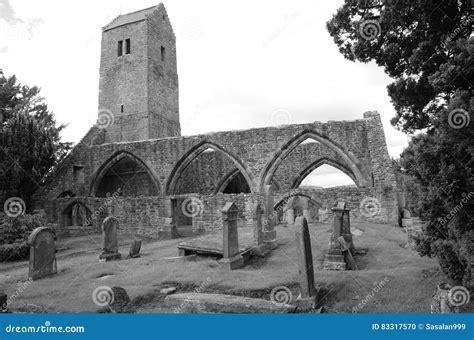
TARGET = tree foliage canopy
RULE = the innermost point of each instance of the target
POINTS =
(427, 48)
(30, 142)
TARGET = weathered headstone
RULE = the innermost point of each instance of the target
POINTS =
(121, 302)
(135, 249)
(290, 216)
(269, 236)
(42, 253)
(305, 207)
(231, 257)
(335, 259)
(110, 239)
(260, 248)
(305, 265)
(349, 259)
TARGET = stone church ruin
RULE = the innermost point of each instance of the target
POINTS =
(135, 164)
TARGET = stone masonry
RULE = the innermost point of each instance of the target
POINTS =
(136, 157)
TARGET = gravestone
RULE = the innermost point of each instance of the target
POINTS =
(110, 239)
(269, 235)
(42, 253)
(231, 257)
(305, 265)
(260, 248)
(305, 207)
(135, 247)
(335, 258)
(121, 302)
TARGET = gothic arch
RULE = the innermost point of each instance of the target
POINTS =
(113, 160)
(76, 213)
(194, 152)
(288, 147)
(224, 182)
(287, 198)
(317, 164)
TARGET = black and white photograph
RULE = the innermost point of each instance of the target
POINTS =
(245, 157)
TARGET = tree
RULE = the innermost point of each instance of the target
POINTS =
(30, 144)
(426, 47)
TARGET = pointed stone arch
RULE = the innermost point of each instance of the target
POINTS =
(194, 152)
(76, 213)
(317, 164)
(350, 162)
(120, 156)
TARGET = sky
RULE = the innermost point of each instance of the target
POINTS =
(241, 64)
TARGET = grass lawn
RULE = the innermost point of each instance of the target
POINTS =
(409, 281)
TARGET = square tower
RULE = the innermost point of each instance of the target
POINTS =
(138, 86)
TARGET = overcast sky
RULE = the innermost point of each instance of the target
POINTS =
(239, 62)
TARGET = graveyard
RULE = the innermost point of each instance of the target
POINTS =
(159, 266)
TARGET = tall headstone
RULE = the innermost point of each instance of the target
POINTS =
(110, 239)
(305, 264)
(269, 234)
(135, 247)
(42, 253)
(305, 207)
(335, 259)
(260, 248)
(231, 257)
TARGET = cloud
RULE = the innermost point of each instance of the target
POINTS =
(32, 24)
(7, 13)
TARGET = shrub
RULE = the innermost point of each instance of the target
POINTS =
(14, 251)
(14, 232)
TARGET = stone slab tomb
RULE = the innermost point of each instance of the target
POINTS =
(42, 253)
(110, 239)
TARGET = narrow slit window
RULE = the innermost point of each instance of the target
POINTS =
(120, 48)
(121, 108)
(163, 53)
(127, 46)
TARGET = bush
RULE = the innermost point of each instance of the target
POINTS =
(14, 232)
(14, 251)
(17, 229)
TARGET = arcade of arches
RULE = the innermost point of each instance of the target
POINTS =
(144, 183)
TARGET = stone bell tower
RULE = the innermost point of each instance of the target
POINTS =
(138, 86)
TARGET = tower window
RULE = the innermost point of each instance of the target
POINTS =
(121, 108)
(163, 53)
(127, 46)
(120, 48)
